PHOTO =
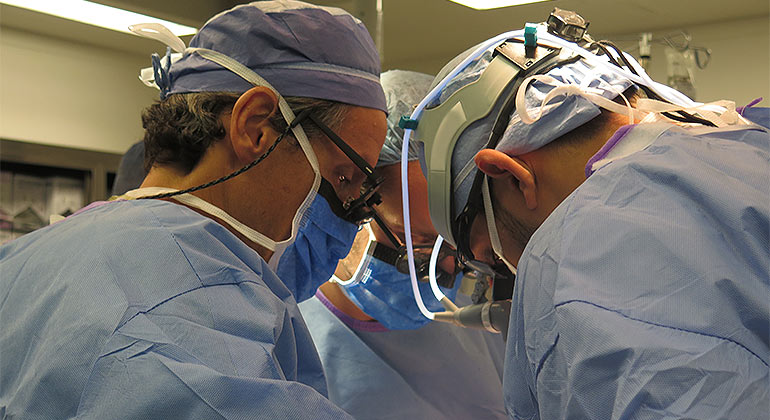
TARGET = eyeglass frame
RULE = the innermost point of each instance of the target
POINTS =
(399, 258)
(359, 210)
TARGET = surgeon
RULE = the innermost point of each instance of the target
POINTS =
(179, 299)
(383, 359)
(637, 228)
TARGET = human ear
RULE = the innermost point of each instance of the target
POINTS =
(251, 133)
(496, 164)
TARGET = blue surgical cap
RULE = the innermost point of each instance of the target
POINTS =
(561, 114)
(403, 90)
(301, 49)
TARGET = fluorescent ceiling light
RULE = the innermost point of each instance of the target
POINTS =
(493, 4)
(97, 14)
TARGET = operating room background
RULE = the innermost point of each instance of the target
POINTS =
(68, 84)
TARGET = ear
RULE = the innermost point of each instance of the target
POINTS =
(497, 164)
(251, 133)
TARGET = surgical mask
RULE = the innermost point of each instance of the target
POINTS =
(323, 239)
(385, 294)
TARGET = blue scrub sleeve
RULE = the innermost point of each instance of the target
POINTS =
(145, 309)
(614, 367)
(144, 374)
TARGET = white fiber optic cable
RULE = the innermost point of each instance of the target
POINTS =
(432, 269)
(440, 296)
(404, 160)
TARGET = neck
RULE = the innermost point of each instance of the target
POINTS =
(242, 197)
(563, 167)
(336, 296)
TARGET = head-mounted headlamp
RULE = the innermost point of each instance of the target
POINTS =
(477, 94)
(567, 24)
(441, 126)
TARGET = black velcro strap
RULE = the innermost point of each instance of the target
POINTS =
(385, 253)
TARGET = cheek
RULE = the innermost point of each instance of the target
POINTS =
(448, 265)
(514, 235)
(512, 249)
(479, 241)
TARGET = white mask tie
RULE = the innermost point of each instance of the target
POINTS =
(494, 237)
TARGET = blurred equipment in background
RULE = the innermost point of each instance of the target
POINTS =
(28, 201)
(681, 59)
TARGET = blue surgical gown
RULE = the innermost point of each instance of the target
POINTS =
(439, 371)
(146, 309)
(757, 114)
(645, 294)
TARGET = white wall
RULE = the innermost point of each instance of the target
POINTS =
(740, 59)
(63, 93)
(739, 69)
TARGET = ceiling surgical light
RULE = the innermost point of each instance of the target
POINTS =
(493, 4)
(96, 14)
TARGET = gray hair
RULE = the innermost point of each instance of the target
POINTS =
(179, 129)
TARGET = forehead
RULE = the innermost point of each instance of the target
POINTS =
(364, 130)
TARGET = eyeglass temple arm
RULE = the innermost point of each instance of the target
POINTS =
(355, 157)
(299, 118)
(391, 237)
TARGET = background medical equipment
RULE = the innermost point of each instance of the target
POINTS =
(681, 59)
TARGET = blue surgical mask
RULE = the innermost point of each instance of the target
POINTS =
(385, 294)
(322, 240)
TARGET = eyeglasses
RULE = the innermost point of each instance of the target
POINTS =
(398, 256)
(358, 210)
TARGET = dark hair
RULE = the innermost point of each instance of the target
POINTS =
(179, 129)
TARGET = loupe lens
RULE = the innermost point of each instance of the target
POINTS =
(360, 210)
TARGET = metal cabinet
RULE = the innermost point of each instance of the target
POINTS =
(38, 180)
